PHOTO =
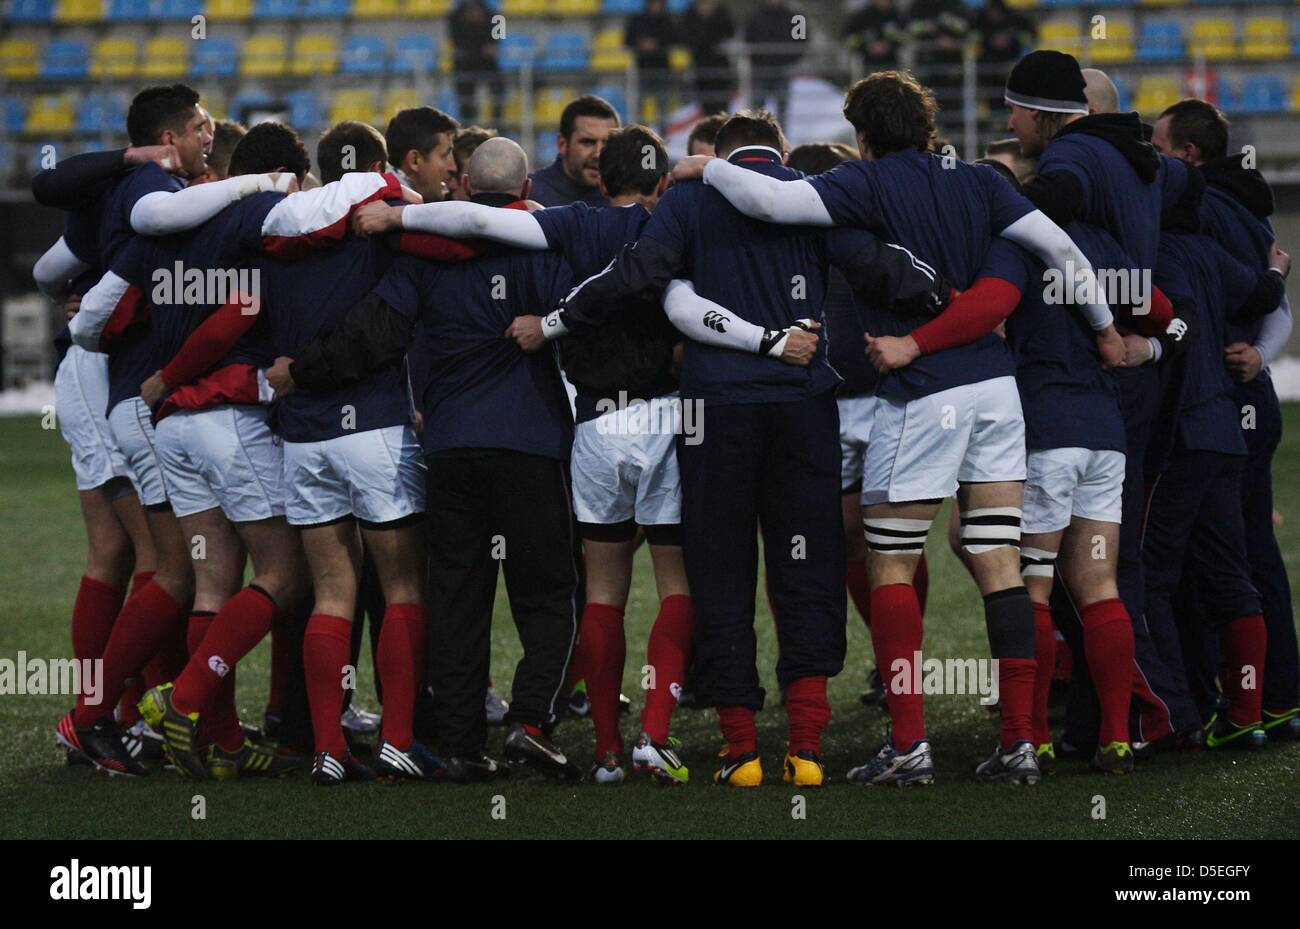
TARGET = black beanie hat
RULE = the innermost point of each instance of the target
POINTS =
(1048, 80)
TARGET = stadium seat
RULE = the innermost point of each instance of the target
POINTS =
(114, 58)
(575, 7)
(1125, 93)
(1214, 38)
(1163, 2)
(214, 57)
(31, 11)
(315, 54)
(1022, 4)
(248, 100)
(622, 7)
(78, 11)
(65, 59)
(447, 60)
(415, 52)
(550, 104)
(1155, 93)
(678, 6)
(263, 56)
(1264, 37)
(277, 9)
(228, 10)
(524, 7)
(425, 8)
(375, 9)
(1260, 93)
(564, 51)
(179, 9)
(50, 114)
(516, 49)
(130, 11)
(13, 114)
(352, 104)
(19, 59)
(326, 9)
(1117, 47)
(1064, 35)
(608, 53)
(363, 54)
(397, 99)
(165, 58)
(1160, 40)
(101, 113)
(305, 111)
(615, 97)
(1295, 95)
(679, 59)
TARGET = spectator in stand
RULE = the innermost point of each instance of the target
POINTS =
(475, 56)
(780, 43)
(705, 26)
(649, 35)
(876, 32)
(1004, 35)
(700, 141)
(939, 28)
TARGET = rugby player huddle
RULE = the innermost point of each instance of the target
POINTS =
(816, 352)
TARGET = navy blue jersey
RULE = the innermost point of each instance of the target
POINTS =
(1068, 400)
(306, 299)
(632, 351)
(843, 326)
(1197, 268)
(945, 212)
(1246, 238)
(482, 390)
(81, 235)
(769, 274)
(552, 187)
(1115, 196)
(115, 224)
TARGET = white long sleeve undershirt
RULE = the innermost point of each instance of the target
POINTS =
(464, 220)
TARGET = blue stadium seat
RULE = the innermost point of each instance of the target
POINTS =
(179, 9)
(1161, 40)
(316, 9)
(619, 7)
(1125, 94)
(305, 110)
(101, 113)
(276, 9)
(215, 56)
(65, 59)
(363, 54)
(14, 112)
(31, 11)
(131, 10)
(247, 100)
(616, 98)
(564, 51)
(515, 50)
(1259, 93)
(415, 52)
(447, 101)
(678, 6)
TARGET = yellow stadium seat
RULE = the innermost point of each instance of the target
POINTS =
(1295, 96)
(1214, 38)
(397, 99)
(19, 59)
(524, 7)
(264, 56)
(1154, 94)
(1164, 2)
(575, 7)
(1022, 4)
(165, 57)
(1264, 37)
(446, 58)
(679, 59)
(315, 54)
(228, 10)
(79, 11)
(550, 104)
(649, 110)
(425, 8)
(50, 115)
(607, 39)
(114, 58)
(1116, 47)
(1064, 35)
(375, 9)
(353, 104)
(608, 53)
(512, 111)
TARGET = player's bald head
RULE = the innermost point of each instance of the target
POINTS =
(1100, 91)
(498, 166)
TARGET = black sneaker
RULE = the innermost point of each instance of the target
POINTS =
(143, 743)
(1016, 765)
(328, 771)
(470, 769)
(417, 763)
(252, 759)
(105, 747)
(524, 750)
(271, 726)
(1189, 740)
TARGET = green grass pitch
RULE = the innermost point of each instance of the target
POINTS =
(42, 553)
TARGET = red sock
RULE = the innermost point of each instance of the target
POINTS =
(737, 723)
(859, 585)
(575, 667)
(604, 651)
(236, 629)
(1064, 659)
(128, 712)
(140, 578)
(195, 629)
(1108, 646)
(668, 653)
(401, 652)
(1045, 664)
(281, 655)
(921, 581)
(93, 612)
(326, 650)
(1245, 646)
(222, 717)
(896, 636)
(145, 618)
(809, 711)
(1016, 678)
(171, 657)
